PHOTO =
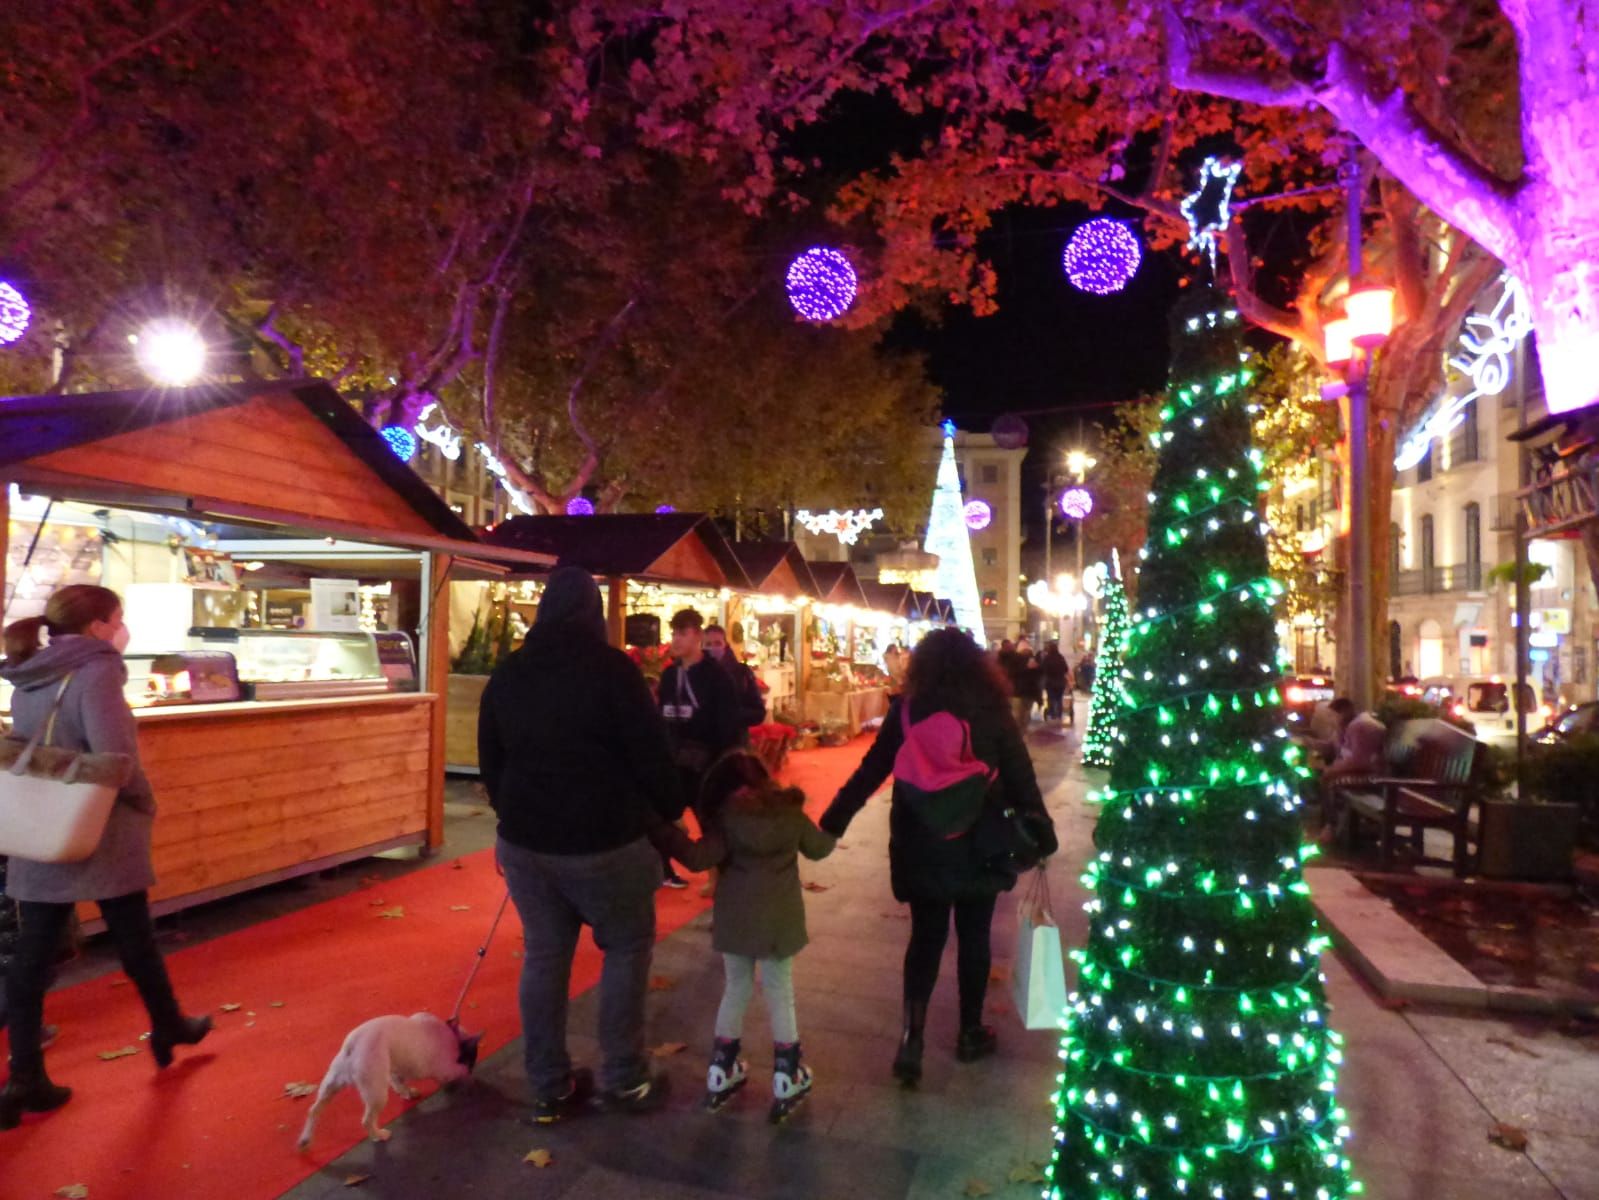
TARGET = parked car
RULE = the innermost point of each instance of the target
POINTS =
(1301, 694)
(1485, 703)
(1578, 719)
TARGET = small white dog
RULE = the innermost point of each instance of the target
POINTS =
(386, 1052)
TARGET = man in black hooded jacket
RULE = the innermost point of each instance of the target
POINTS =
(575, 759)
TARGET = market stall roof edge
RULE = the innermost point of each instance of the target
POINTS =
(838, 584)
(655, 547)
(763, 563)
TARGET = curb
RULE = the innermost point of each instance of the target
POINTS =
(1401, 963)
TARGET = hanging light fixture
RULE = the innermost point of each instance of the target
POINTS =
(1370, 309)
(1336, 339)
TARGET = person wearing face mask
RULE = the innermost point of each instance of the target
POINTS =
(751, 707)
(80, 674)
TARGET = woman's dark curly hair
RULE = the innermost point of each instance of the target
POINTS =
(950, 672)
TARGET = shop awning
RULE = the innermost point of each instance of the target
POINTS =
(836, 584)
(680, 548)
(775, 568)
(944, 610)
(892, 599)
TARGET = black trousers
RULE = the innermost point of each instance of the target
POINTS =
(929, 932)
(128, 920)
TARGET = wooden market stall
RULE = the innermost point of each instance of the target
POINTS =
(774, 619)
(836, 692)
(283, 731)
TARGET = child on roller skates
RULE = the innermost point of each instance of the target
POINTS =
(759, 919)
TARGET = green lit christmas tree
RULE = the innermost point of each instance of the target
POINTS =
(1197, 1060)
(1099, 739)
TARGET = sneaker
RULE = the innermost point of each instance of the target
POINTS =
(548, 1110)
(674, 881)
(643, 1097)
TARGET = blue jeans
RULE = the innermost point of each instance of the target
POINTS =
(613, 893)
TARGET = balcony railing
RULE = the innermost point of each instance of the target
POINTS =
(1428, 581)
(1502, 513)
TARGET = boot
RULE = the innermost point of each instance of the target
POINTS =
(908, 1062)
(975, 1042)
(189, 1031)
(791, 1081)
(727, 1074)
(32, 1092)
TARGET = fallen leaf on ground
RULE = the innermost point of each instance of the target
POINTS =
(1392, 1003)
(298, 1090)
(1511, 1137)
(813, 886)
(229, 1007)
(120, 982)
(660, 983)
(667, 1049)
(277, 1004)
(1516, 1046)
(371, 879)
(392, 914)
(976, 1187)
(460, 907)
(841, 845)
(73, 1191)
(108, 1055)
(458, 865)
(895, 916)
(249, 1024)
(355, 1180)
(998, 974)
(1027, 1173)
(378, 903)
(539, 1158)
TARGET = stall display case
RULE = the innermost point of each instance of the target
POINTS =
(282, 665)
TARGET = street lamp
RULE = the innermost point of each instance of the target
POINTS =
(170, 351)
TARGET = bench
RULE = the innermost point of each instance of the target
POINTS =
(1428, 786)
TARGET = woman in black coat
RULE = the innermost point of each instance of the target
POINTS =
(937, 875)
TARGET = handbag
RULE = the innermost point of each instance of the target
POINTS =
(1009, 840)
(54, 803)
(1038, 976)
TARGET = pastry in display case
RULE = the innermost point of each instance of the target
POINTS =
(193, 677)
(282, 665)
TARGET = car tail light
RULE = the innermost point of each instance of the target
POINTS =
(1296, 695)
(1545, 713)
(1460, 708)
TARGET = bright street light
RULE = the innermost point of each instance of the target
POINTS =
(1080, 463)
(170, 351)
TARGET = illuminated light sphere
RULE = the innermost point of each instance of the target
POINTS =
(1076, 503)
(1102, 256)
(1009, 432)
(665, 508)
(171, 352)
(977, 514)
(401, 440)
(14, 314)
(821, 284)
(580, 506)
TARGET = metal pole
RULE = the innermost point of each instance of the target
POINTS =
(1523, 587)
(1359, 579)
(1049, 527)
(1080, 617)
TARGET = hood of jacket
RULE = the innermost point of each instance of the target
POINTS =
(60, 658)
(570, 604)
(753, 823)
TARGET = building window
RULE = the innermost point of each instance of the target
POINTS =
(1467, 434)
(1396, 537)
(1427, 549)
(990, 556)
(990, 599)
(1424, 468)
(1474, 547)
(989, 473)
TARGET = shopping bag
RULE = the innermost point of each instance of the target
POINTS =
(1038, 976)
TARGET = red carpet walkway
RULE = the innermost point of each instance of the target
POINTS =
(217, 1123)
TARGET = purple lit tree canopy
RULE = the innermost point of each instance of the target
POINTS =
(1102, 256)
(821, 284)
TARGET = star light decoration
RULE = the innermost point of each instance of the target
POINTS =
(401, 440)
(846, 526)
(977, 515)
(1207, 209)
(821, 284)
(14, 314)
(1102, 256)
(1076, 503)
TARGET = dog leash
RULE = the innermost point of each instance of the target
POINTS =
(482, 952)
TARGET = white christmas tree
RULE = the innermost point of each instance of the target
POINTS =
(947, 536)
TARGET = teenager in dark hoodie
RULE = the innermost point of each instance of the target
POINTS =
(80, 675)
(576, 763)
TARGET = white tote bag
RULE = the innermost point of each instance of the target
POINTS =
(54, 803)
(1038, 979)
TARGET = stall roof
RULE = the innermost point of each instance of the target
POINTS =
(837, 584)
(288, 453)
(660, 547)
(776, 568)
(945, 610)
(924, 607)
(891, 598)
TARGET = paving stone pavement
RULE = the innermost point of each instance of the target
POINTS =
(1423, 1088)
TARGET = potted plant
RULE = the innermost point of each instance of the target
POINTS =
(1531, 836)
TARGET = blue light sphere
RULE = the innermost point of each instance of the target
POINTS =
(821, 284)
(580, 506)
(1102, 256)
(14, 314)
(401, 440)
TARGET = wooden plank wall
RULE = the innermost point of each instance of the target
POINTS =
(247, 794)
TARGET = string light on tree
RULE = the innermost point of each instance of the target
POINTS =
(951, 541)
(580, 506)
(1076, 503)
(1197, 1063)
(846, 526)
(1102, 256)
(978, 515)
(1208, 209)
(821, 284)
(14, 314)
(1099, 739)
(401, 440)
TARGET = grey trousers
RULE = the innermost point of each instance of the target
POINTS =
(613, 893)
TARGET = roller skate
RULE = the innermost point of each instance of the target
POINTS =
(727, 1074)
(791, 1082)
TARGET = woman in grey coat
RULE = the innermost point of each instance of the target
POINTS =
(82, 669)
